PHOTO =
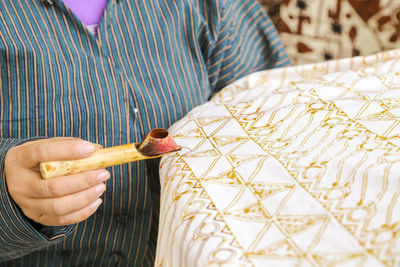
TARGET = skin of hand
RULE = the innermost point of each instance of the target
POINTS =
(59, 201)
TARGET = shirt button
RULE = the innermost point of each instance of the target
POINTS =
(117, 257)
(122, 219)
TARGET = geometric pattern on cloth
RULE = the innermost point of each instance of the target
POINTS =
(297, 166)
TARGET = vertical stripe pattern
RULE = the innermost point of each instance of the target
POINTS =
(151, 63)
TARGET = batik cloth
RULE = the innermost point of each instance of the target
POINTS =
(292, 167)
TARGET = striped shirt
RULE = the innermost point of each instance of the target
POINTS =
(150, 63)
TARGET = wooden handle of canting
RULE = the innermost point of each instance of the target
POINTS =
(99, 159)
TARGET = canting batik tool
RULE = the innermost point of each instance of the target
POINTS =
(156, 144)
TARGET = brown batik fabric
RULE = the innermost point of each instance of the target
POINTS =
(317, 30)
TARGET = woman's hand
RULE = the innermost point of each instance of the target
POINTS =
(58, 201)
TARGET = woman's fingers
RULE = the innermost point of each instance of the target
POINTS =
(61, 206)
(58, 201)
(66, 185)
(32, 153)
(72, 218)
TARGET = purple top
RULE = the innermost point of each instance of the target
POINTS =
(89, 12)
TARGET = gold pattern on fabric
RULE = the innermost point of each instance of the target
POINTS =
(289, 167)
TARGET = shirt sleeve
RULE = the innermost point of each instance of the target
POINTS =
(246, 41)
(18, 234)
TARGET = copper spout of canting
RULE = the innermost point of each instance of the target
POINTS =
(158, 142)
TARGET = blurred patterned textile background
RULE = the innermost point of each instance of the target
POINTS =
(318, 30)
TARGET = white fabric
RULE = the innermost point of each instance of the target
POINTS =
(289, 167)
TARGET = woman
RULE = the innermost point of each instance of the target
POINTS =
(145, 65)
